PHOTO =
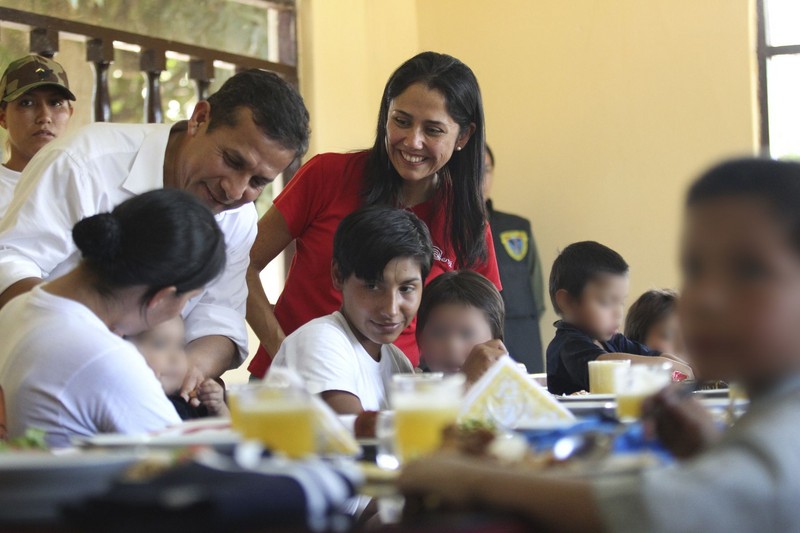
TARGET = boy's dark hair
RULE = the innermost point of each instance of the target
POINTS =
(469, 289)
(369, 238)
(278, 109)
(580, 263)
(775, 182)
(650, 309)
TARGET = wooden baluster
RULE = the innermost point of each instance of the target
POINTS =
(101, 54)
(202, 72)
(153, 62)
(287, 43)
(44, 41)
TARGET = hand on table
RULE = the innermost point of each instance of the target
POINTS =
(481, 358)
(682, 424)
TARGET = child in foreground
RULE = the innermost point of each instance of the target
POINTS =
(740, 314)
(163, 349)
(459, 311)
(588, 286)
(653, 321)
(381, 257)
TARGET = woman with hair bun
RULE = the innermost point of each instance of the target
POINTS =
(64, 365)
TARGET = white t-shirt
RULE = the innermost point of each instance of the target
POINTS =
(8, 180)
(92, 171)
(328, 356)
(63, 371)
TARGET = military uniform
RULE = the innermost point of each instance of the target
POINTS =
(523, 288)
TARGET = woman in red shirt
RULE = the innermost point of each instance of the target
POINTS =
(427, 157)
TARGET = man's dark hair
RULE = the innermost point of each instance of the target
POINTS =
(580, 263)
(466, 288)
(369, 238)
(651, 308)
(777, 183)
(278, 109)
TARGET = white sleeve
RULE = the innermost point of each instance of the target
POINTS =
(221, 308)
(36, 233)
(323, 356)
(127, 397)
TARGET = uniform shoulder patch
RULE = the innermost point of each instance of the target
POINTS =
(516, 244)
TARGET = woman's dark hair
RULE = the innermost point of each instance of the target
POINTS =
(462, 176)
(580, 263)
(158, 239)
(466, 288)
(369, 238)
(278, 109)
(775, 182)
(651, 308)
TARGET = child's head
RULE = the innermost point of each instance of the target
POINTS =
(740, 302)
(381, 257)
(653, 321)
(163, 349)
(458, 311)
(588, 287)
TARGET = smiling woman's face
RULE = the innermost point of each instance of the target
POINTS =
(420, 134)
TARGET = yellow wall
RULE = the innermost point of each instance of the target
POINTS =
(600, 112)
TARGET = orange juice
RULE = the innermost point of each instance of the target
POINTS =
(418, 431)
(629, 406)
(601, 376)
(280, 426)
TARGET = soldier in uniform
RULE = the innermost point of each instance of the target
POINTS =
(521, 276)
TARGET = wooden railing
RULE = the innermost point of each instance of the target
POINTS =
(44, 40)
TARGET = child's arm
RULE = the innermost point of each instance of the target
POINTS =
(682, 424)
(344, 403)
(649, 360)
(463, 481)
(212, 395)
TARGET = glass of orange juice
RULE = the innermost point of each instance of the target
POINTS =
(637, 382)
(424, 404)
(278, 416)
(602, 375)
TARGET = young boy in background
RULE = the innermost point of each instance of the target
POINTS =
(588, 286)
(459, 311)
(163, 349)
(381, 257)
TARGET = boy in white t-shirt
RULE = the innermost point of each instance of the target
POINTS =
(381, 257)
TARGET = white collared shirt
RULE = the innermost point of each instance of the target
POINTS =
(8, 180)
(91, 172)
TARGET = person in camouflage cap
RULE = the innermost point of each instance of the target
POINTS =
(35, 108)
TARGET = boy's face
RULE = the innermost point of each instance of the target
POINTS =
(740, 303)
(163, 349)
(665, 335)
(600, 308)
(378, 311)
(450, 333)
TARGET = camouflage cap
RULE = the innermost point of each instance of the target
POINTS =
(29, 72)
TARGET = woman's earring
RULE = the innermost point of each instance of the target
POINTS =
(458, 148)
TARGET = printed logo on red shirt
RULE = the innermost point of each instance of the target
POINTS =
(437, 255)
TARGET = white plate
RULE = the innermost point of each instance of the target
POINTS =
(201, 432)
(35, 485)
(587, 398)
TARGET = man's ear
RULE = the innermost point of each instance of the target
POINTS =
(564, 300)
(336, 277)
(201, 115)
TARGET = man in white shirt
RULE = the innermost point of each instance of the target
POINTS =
(234, 144)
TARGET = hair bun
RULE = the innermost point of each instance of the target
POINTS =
(98, 237)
